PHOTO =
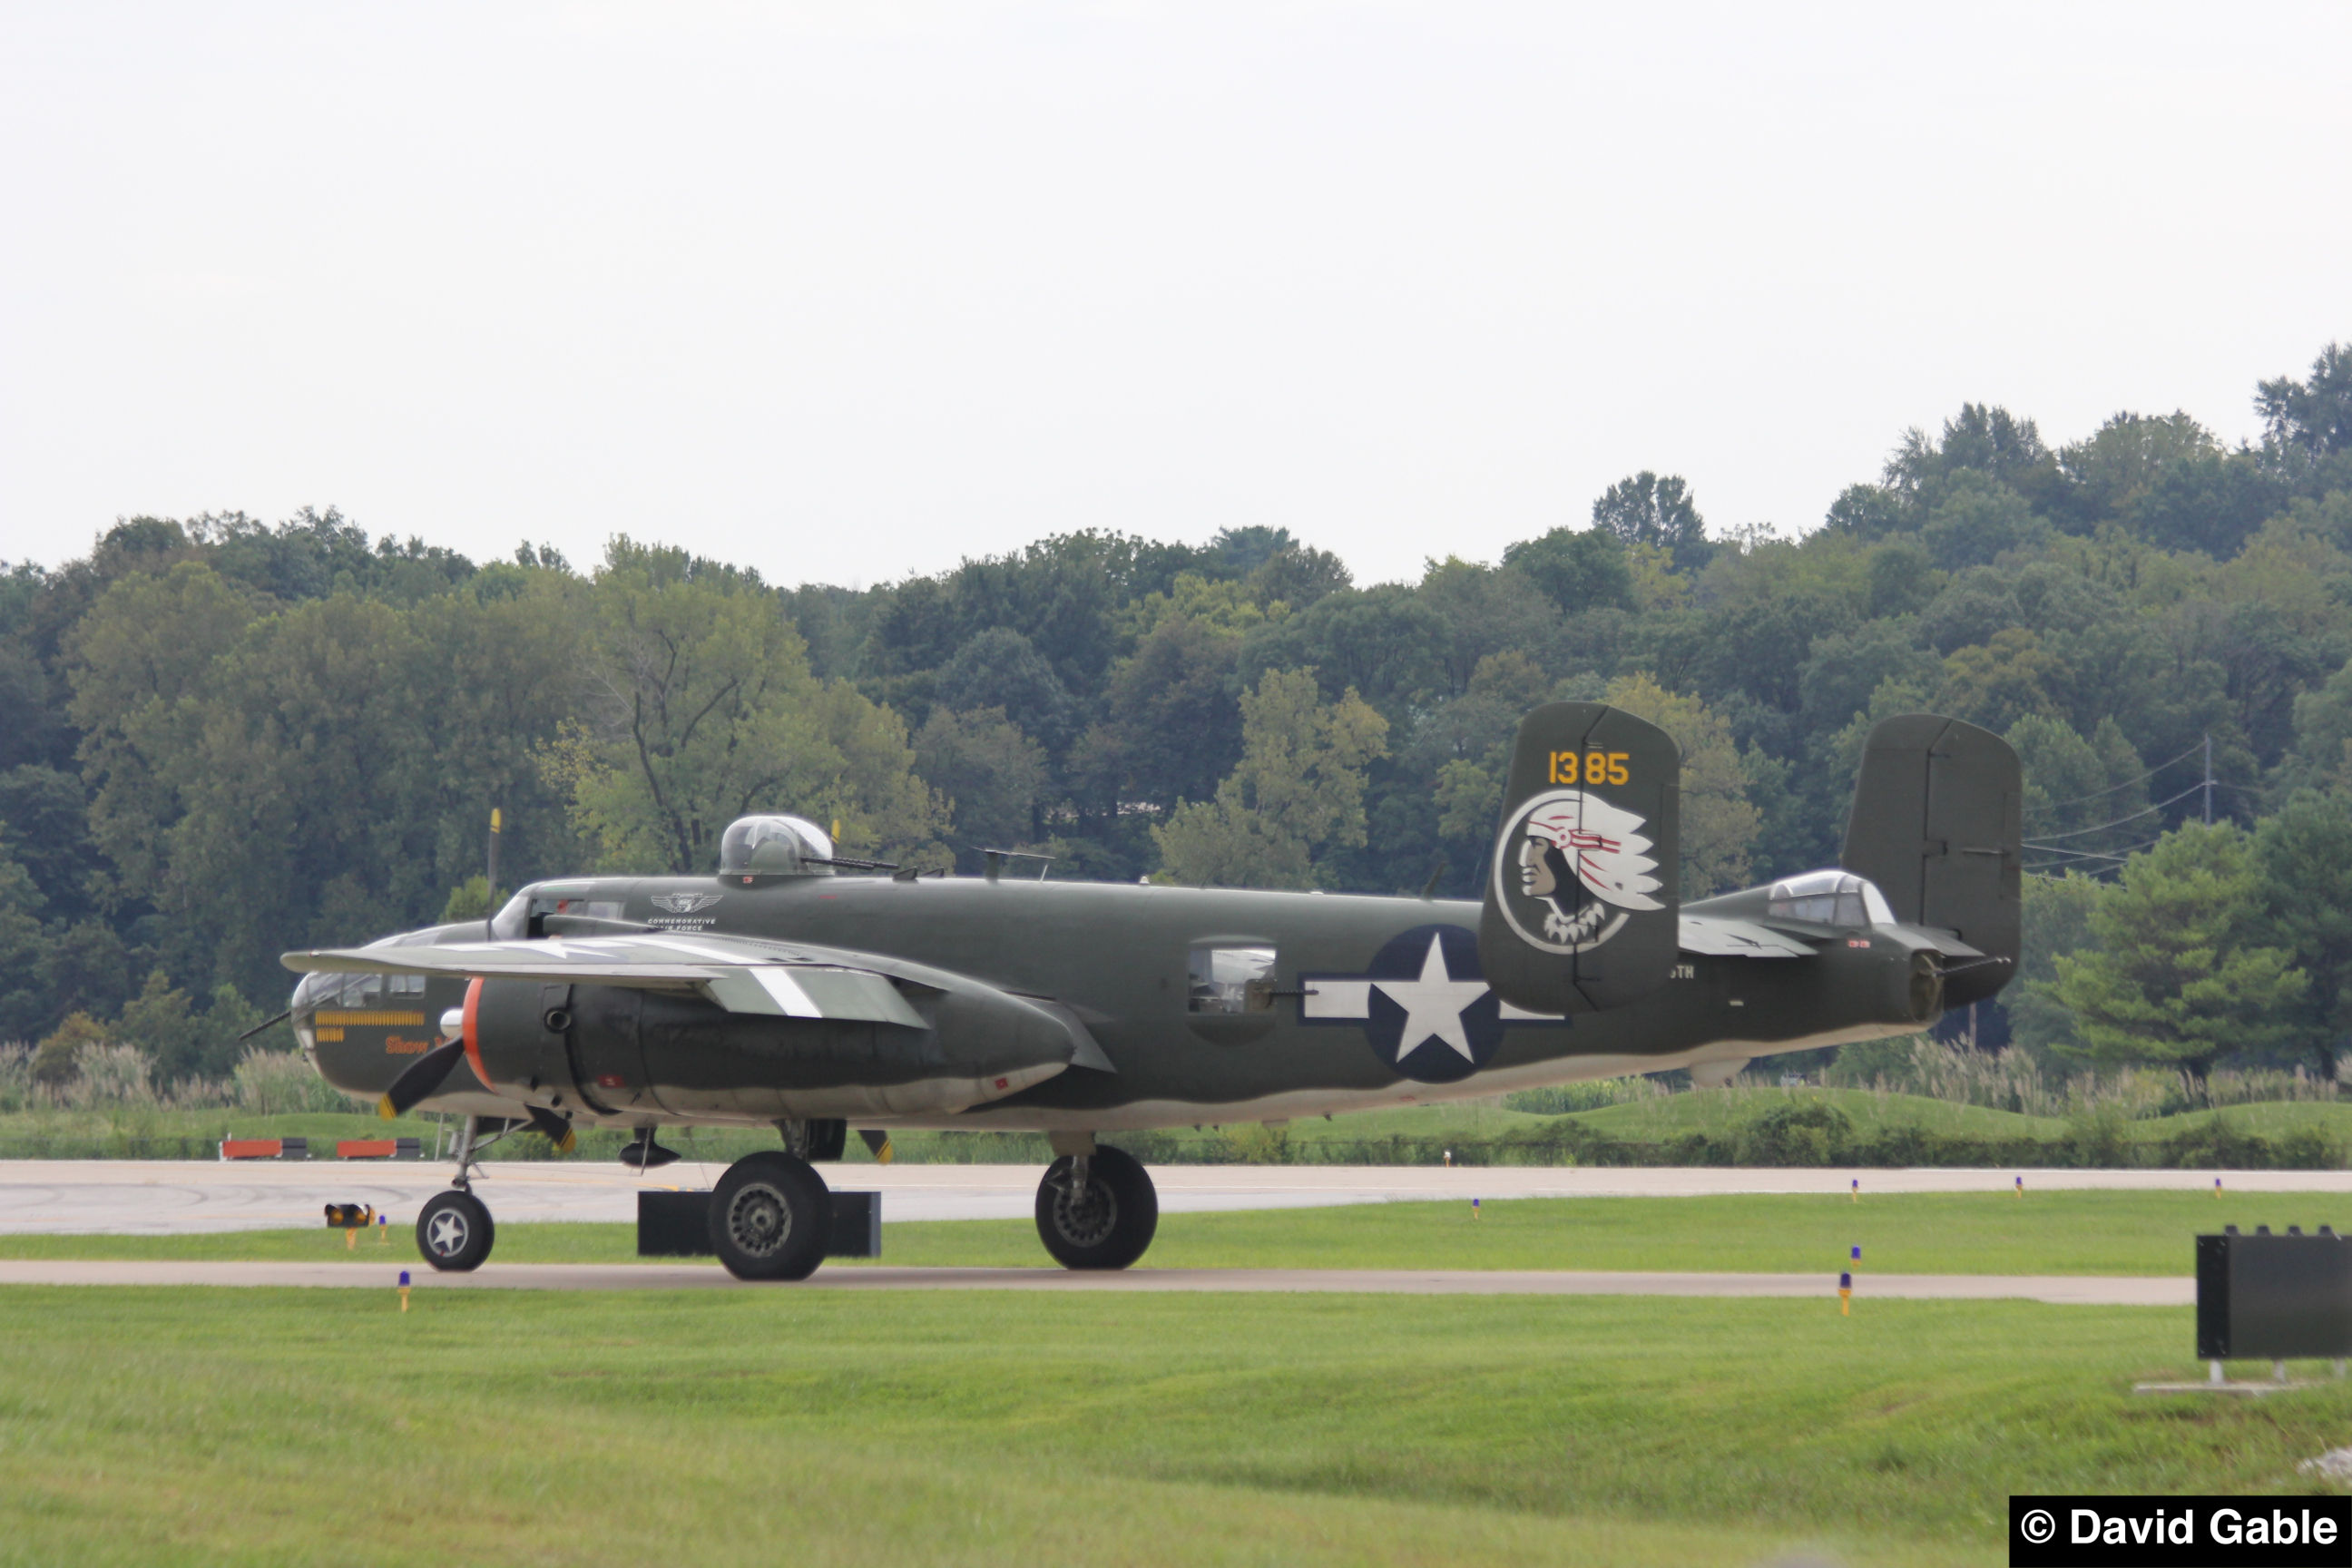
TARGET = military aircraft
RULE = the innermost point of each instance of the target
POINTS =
(803, 989)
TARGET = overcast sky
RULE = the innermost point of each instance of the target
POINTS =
(849, 292)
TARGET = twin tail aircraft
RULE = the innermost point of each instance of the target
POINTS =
(801, 990)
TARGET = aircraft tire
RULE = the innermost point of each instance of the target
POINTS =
(1112, 1225)
(454, 1233)
(770, 1217)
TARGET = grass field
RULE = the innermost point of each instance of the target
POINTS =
(1940, 1233)
(158, 1426)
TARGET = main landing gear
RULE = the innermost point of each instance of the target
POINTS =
(1096, 1207)
(770, 1217)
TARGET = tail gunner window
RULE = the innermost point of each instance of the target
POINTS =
(1231, 978)
(1830, 898)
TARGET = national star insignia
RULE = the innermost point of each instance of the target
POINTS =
(1434, 1003)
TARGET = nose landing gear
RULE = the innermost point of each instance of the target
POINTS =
(1096, 1210)
(454, 1230)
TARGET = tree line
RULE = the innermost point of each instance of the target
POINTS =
(221, 738)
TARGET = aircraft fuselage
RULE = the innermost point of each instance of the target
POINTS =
(1209, 1004)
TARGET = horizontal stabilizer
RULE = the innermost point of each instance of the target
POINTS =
(1719, 937)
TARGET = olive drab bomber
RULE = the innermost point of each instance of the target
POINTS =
(805, 990)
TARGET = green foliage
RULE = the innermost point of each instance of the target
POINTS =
(1645, 509)
(2180, 975)
(1299, 786)
(2056, 923)
(58, 1058)
(2303, 858)
(471, 900)
(993, 777)
(221, 738)
(707, 711)
(1578, 572)
(1718, 821)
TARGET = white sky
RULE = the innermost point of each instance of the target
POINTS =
(848, 292)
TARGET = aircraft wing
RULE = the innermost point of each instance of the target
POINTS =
(1720, 936)
(741, 975)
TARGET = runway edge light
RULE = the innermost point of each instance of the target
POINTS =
(404, 1289)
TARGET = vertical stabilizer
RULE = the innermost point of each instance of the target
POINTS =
(1936, 824)
(1582, 910)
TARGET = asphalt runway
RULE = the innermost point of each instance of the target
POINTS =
(369, 1274)
(174, 1196)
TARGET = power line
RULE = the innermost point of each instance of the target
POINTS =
(2118, 852)
(2111, 789)
(2135, 816)
(2075, 857)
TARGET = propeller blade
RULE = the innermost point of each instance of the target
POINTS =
(264, 1024)
(556, 1130)
(424, 1076)
(879, 1143)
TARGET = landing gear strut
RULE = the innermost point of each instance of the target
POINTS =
(1096, 1210)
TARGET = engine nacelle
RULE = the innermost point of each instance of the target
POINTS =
(612, 1050)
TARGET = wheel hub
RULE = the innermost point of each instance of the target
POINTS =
(447, 1233)
(759, 1221)
(1086, 1220)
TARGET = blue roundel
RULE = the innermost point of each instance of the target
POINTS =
(1428, 1012)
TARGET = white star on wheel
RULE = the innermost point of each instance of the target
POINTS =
(447, 1233)
(1434, 1003)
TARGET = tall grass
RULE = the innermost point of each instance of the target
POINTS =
(2011, 1080)
(121, 1077)
(1595, 1094)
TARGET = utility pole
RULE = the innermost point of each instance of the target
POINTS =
(2208, 778)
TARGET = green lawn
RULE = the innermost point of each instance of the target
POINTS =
(1970, 1233)
(184, 1426)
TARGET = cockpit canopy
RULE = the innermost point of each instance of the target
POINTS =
(1830, 898)
(774, 847)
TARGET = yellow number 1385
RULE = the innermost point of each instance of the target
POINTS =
(1590, 767)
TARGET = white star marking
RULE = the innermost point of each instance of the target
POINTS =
(1434, 1003)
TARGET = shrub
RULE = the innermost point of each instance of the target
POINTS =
(54, 1062)
(1799, 1133)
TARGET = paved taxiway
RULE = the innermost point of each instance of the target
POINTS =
(2113, 1291)
(166, 1197)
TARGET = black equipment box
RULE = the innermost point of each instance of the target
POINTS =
(677, 1224)
(2274, 1298)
